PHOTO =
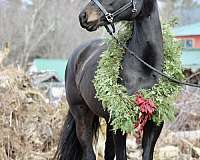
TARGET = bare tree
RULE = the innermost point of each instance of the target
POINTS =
(31, 41)
(45, 28)
(186, 10)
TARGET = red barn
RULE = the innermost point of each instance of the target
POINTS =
(189, 35)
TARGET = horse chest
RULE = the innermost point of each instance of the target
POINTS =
(134, 77)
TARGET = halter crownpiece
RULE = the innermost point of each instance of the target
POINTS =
(110, 16)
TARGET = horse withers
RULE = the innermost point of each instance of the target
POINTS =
(76, 142)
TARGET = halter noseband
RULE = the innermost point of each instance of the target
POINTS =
(110, 16)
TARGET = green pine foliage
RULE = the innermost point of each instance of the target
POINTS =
(123, 111)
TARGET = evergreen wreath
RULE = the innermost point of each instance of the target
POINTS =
(124, 113)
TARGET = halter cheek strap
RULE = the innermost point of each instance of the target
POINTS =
(110, 16)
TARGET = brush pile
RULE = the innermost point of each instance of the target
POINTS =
(30, 127)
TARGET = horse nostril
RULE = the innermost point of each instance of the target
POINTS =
(83, 16)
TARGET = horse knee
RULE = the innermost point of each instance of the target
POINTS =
(151, 133)
(85, 137)
(120, 145)
(109, 145)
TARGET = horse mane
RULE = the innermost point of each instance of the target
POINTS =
(147, 8)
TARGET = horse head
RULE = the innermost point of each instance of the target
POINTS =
(104, 12)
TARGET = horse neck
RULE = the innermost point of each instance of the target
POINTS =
(147, 39)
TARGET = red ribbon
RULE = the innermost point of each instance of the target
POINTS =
(147, 108)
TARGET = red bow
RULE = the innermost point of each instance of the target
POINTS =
(147, 108)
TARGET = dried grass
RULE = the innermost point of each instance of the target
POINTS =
(30, 127)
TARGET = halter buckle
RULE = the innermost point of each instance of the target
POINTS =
(109, 17)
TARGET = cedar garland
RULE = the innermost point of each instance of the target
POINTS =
(124, 113)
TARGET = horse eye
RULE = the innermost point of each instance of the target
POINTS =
(111, 3)
(107, 3)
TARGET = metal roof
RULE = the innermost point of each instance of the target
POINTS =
(190, 59)
(53, 65)
(188, 30)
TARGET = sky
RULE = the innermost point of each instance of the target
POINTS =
(29, 2)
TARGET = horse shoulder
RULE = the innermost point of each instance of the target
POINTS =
(86, 57)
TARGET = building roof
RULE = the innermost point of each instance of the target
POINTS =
(53, 65)
(188, 30)
(191, 59)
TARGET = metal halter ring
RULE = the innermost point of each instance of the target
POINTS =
(109, 17)
(134, 10)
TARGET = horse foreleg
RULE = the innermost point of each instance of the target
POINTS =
(151, 133)
(84, 132)
(120, 145)
(109, 146)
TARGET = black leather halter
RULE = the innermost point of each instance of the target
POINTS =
(110, 16)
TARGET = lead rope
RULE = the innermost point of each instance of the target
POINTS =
(111, 30)
(151, 67)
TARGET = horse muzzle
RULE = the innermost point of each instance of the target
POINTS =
(89, 20)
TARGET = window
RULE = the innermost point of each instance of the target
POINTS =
(182, 42)
(189, 43)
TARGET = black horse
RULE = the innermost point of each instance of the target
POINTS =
(83, 118)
